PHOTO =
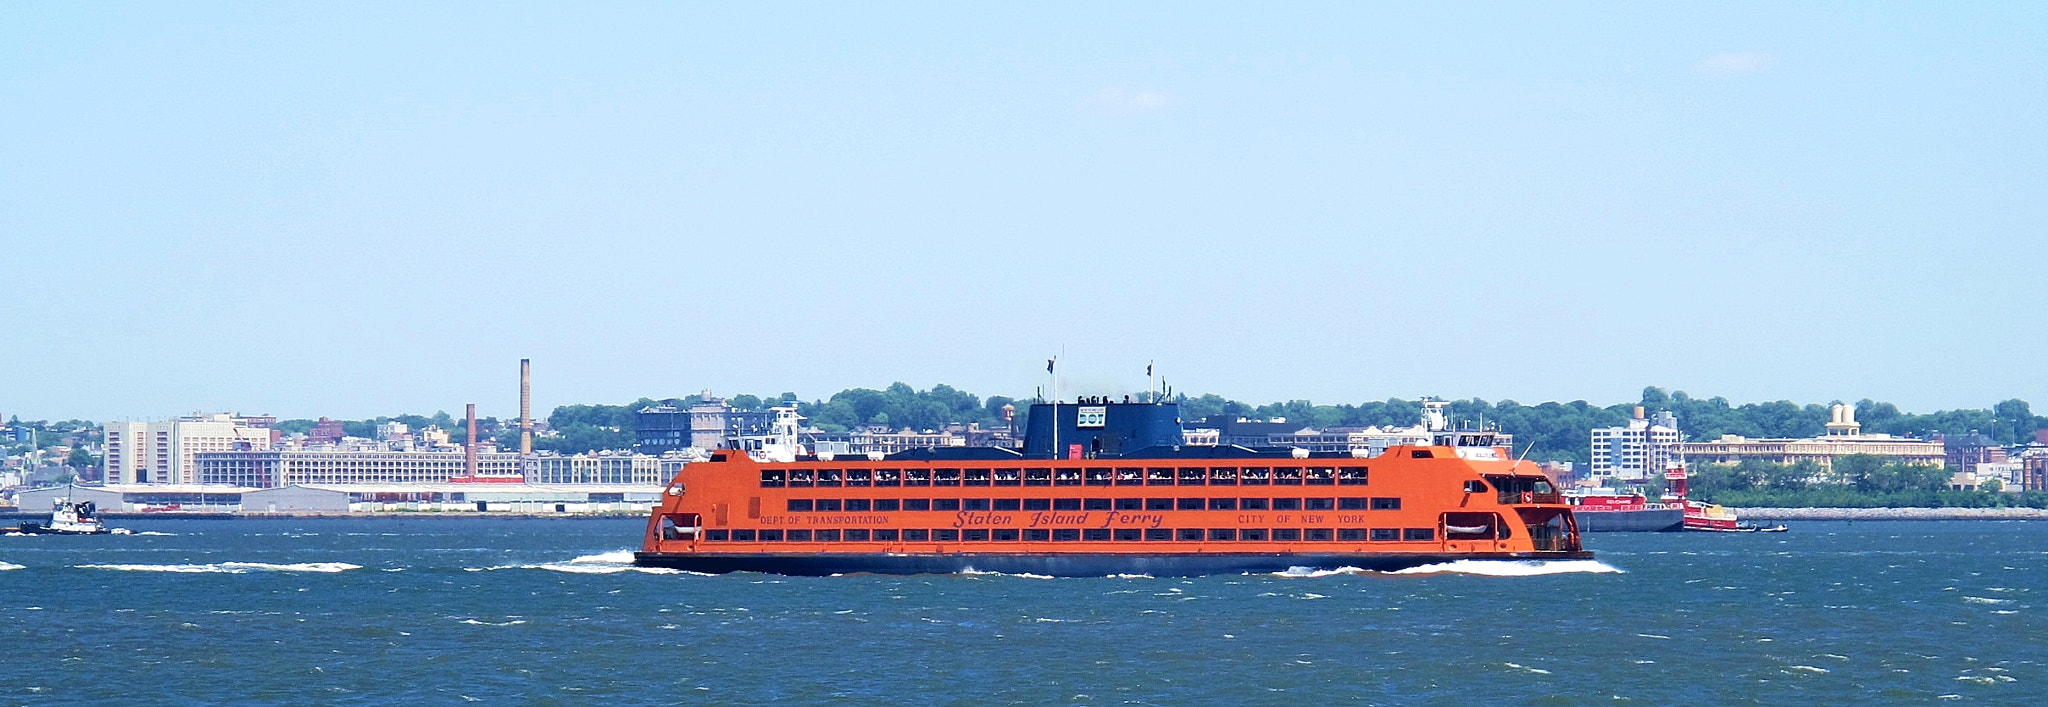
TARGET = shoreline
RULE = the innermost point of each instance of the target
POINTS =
(1775, 514)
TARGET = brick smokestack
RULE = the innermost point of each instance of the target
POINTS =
(469, 448)
(525, 407)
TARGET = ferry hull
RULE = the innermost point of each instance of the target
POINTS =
(1643, 521)
(1073, 565)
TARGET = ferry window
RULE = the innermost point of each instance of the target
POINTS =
(975, 504)
(1252, 504)
(887, 505)
(946, 535)
(1422, 454)
(1351, 476)
(828, 505)
(772, 479)
(1096, 504)
(1287, 476)
(1037, 535)
(1320, 535)
(800, 478)
(1475, 486)
(1066, 477)
(888, 477)
(1126, 534)
(976, 535)
(1286, 534)
(1351, 504)
(1005, 535)
(1320, 476)
(1038, 504)
(1039, 477)
(1287, 504)
(945, 504)
(1126, 476)
(1158, 534)
(1256, 534)
(1065, 535)
(945, 477)
(860, 477)
(749, 536)
(1190, 534)
(1098, 477)
(1470, 526)
(1318, 504)
(1190, 504)
(1130, 504)
(1156, 476)
(1223, 504)
(1008, 504)
(855, 535)
(1255, 476)
(917, 504)
(824, 536)
(716, 534)
(1159, 504)
(1066, 504)
(796, 536)
(1418, 534)
(829, 477)
(1095, 534)
(885, 535)
(917, 536)
(799, 505)
(1223, 476)
(1007, 477)
(1386, 504)
(1193, 477)
(856, 505)
(977, 477)
(1222, 533)
(1351, 534)
(1380, 534)
(917, 477)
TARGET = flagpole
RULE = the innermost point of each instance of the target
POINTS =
(1055, 406)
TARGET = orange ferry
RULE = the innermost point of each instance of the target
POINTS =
(1073, 503)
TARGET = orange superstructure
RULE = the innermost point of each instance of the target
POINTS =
(1161, 511)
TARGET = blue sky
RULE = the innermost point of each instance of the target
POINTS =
(353, 209)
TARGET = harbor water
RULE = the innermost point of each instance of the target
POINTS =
(372, 611)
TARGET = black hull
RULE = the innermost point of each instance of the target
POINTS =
(33, 529)
(1650, 521)
(1067, 565)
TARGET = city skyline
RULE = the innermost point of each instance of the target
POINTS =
(350, 211)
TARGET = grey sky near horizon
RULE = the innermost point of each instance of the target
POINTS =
(352, 209)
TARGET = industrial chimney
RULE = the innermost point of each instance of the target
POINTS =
(525, 407)
(469, 446)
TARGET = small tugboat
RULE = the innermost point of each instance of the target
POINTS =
(69, 517)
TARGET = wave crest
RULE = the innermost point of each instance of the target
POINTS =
(1514, 568)
(231, 567)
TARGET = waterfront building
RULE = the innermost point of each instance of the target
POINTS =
(1370, 441)
(164, 452)
(277, 468)
(1844, 438)
(325, 430)
(707, 423)
(620, 468)
(1966, 451)
(1636, 451)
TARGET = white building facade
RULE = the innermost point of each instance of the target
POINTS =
(1637, 450)
(164, 452)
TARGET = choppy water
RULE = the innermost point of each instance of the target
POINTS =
(376, 611)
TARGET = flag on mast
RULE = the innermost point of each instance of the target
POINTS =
(1048, 365)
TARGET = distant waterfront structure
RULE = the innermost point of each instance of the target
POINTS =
(613, 468)
(1966, 451)
(1637, 450)
(164, 452)
(1844, 438)
(705, 423)
(1369, 441)
(276, 468)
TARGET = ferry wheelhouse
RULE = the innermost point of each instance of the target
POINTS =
(1105, 488)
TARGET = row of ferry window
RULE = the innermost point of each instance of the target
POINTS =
(838, 505)
(1078, 535)
(1121, 476)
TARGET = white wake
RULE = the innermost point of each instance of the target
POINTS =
(231, 567)
(1514, 568)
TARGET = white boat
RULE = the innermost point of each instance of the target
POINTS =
(68, 517)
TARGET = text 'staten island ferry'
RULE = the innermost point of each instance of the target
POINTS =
(1106, 488)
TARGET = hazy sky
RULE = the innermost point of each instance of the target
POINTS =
(354, 209)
